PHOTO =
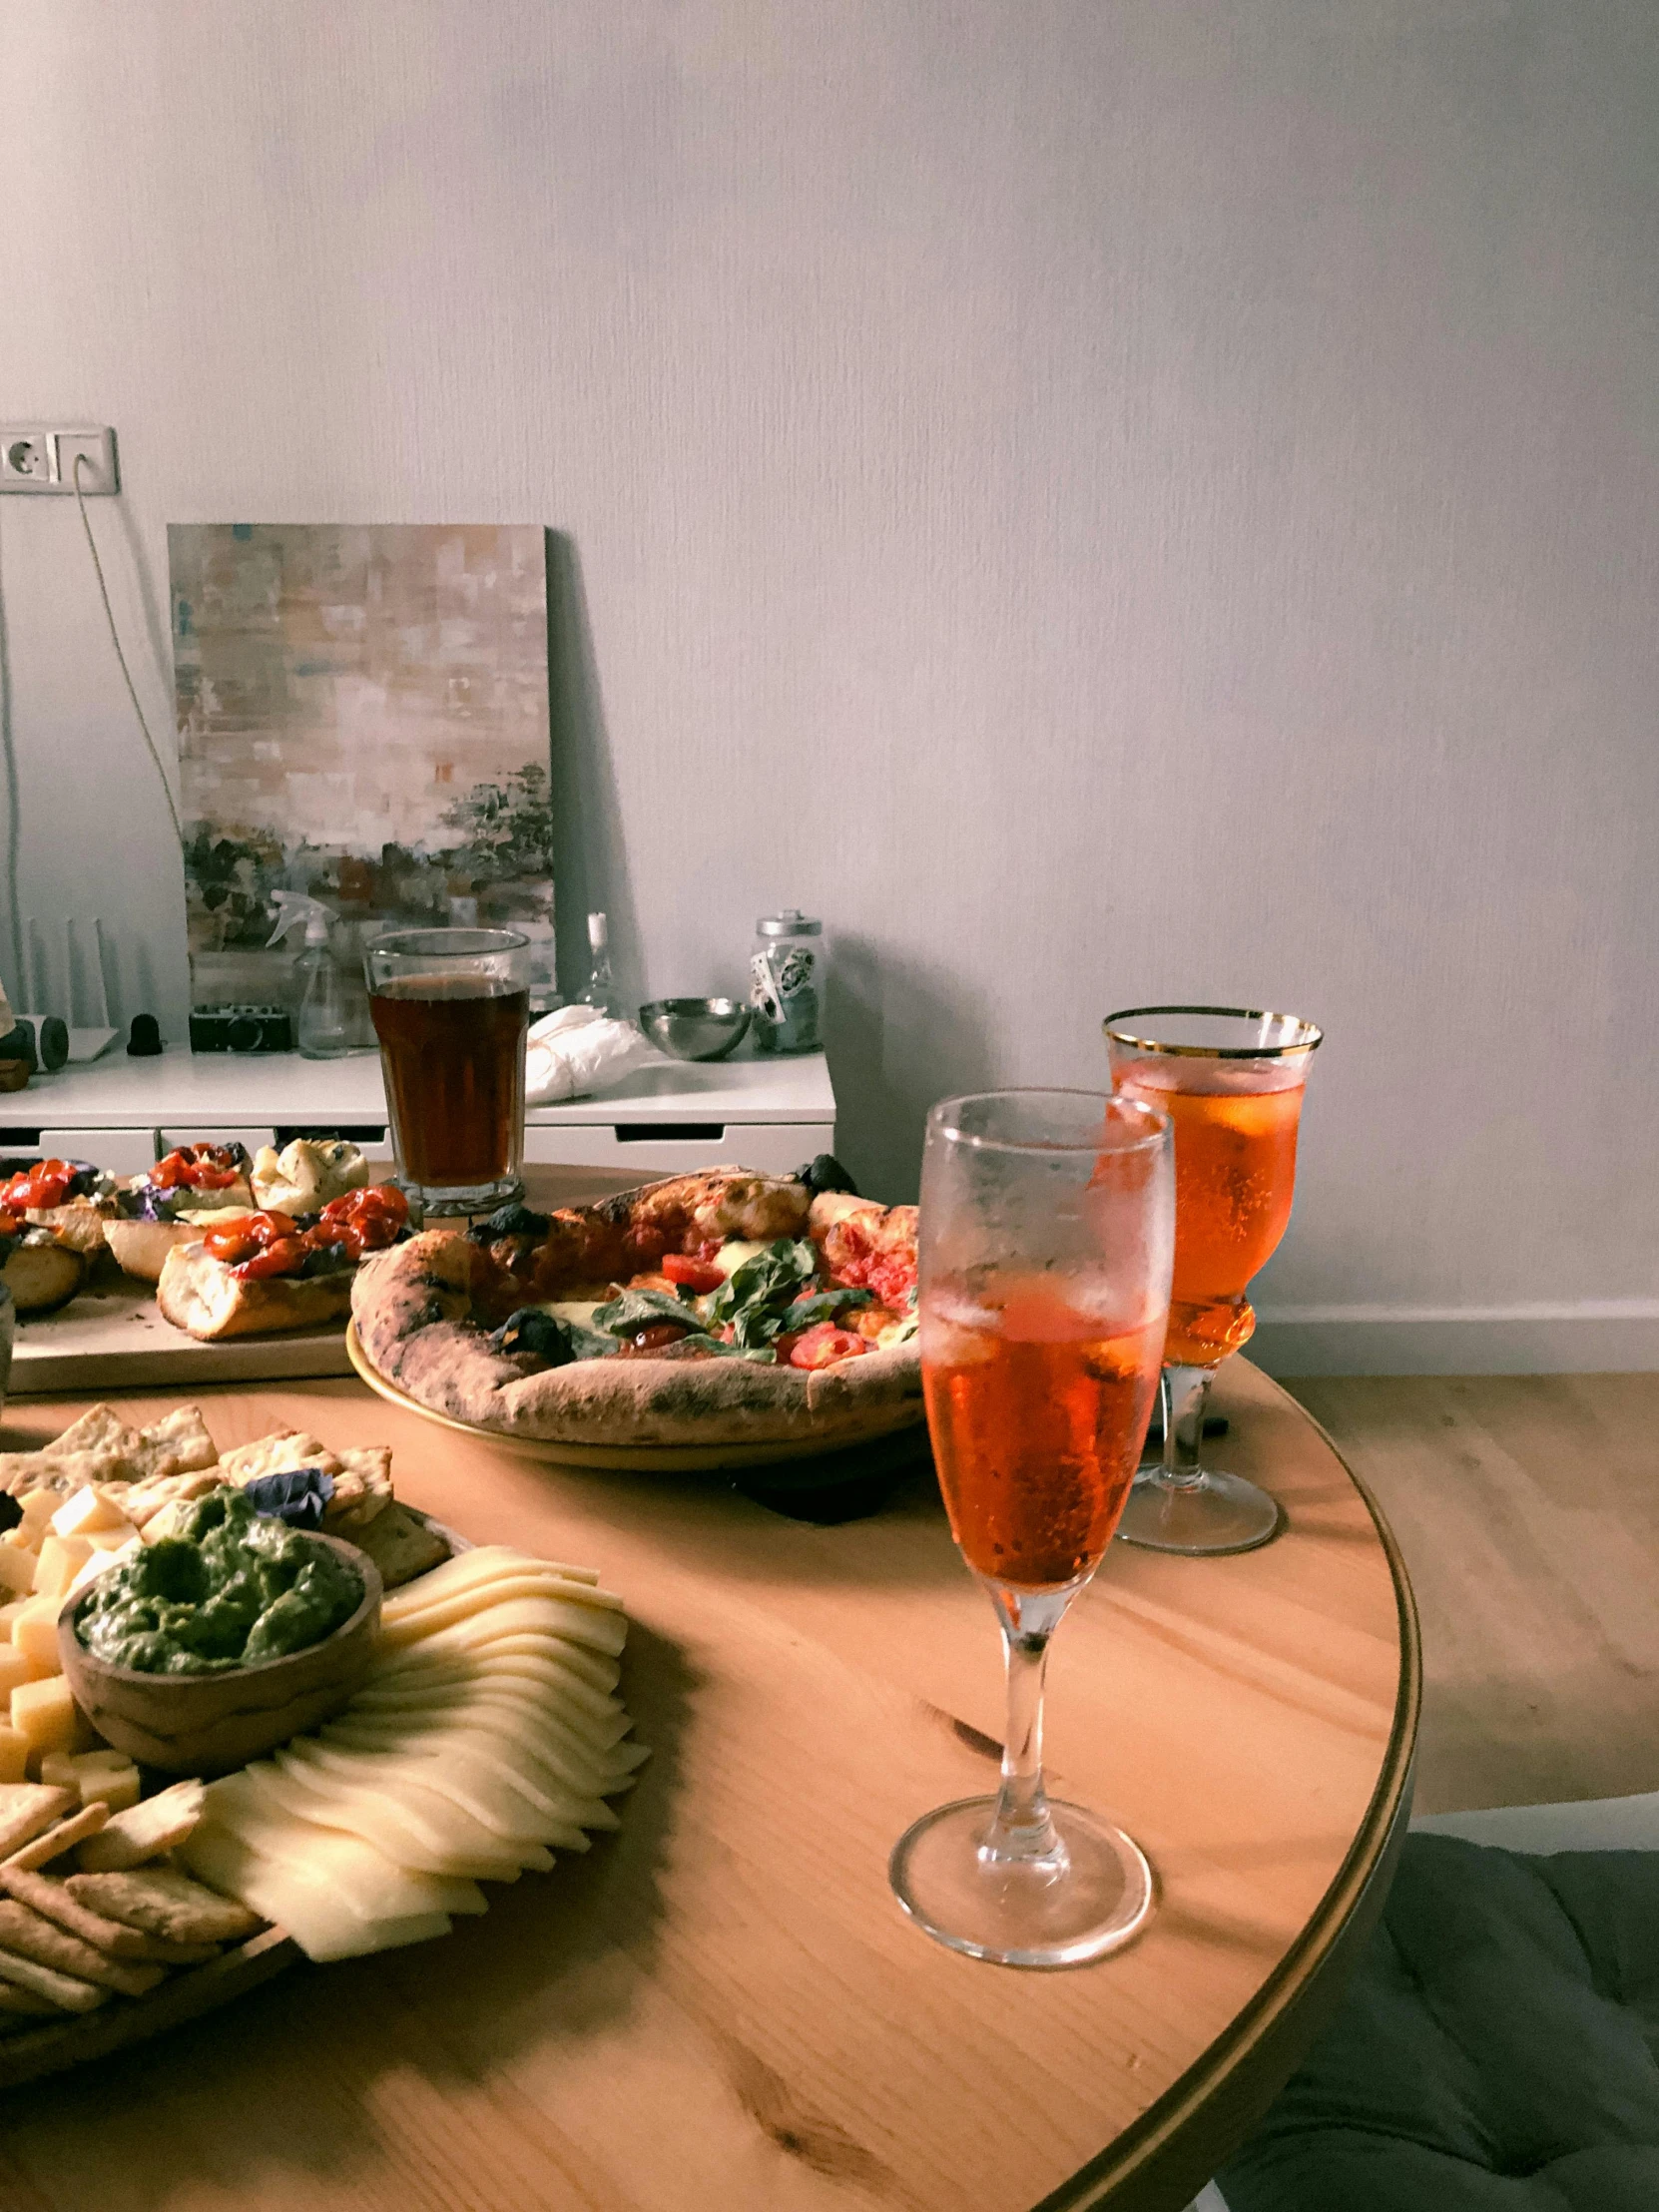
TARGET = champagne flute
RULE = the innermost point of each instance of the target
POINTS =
(1047, 1236)
(1231, 1080)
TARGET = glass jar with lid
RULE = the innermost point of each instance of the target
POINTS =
(786, 979)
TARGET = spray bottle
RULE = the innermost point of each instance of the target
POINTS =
(323, 1027)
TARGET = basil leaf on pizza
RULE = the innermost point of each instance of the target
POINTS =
(824, 1305)
(642, 1308)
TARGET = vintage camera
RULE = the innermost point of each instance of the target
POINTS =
(242, 1029)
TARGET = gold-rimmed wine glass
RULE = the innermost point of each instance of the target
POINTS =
(1231, 1080)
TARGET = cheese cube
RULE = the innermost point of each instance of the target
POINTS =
(15, 1668)
(35, 1633)
(14, 1755)
(38, 1508)
(8, 1613)
(57, 1771)
(17, 1569)
(108, 1775)
(117, 1538)
(86, 1510)
(98, 1561)
(45, 1715)
(61, 1557)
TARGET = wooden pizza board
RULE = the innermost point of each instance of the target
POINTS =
(111, 1337)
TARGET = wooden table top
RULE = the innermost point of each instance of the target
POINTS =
(721, 2006)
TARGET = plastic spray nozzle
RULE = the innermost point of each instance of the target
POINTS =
(294, 908)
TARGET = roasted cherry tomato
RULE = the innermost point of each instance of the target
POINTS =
(282, 1256)
(197, 1167)
(41, 1186)
(364, 1221)
(238, 1240)
(819, 1347)
(691, 1275)
(11, 1225)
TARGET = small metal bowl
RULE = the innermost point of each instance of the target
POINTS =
(696, 1028)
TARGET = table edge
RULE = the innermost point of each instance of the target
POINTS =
(1164, 2158)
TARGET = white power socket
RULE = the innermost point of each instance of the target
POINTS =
(36, 457)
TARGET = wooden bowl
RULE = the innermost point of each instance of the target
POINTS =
(206, 1724)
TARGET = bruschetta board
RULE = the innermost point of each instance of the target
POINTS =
(113, 1338)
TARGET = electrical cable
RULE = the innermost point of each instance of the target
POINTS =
(115, 640)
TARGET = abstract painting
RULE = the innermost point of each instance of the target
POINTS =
(362, 716)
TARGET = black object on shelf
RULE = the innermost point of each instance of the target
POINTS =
(144, 1039)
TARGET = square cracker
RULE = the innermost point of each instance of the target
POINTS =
(163, 1902)
(362, 1488)
(27, 1807)
(177, 1444)
(400, 1544)
(100, 1428)
(144, 1831)
(279, 1452)
(55, 1841)
(63, 1992)
(26, 1933)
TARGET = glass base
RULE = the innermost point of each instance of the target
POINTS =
(443, 1201)
(1217, 1513)
(1057, 1911)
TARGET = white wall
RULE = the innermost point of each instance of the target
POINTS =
(1104, 499)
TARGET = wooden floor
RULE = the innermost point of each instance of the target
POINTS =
(1528, 1507)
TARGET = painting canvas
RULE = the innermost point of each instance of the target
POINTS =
(362, 716)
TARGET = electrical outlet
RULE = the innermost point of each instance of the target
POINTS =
(34, 458)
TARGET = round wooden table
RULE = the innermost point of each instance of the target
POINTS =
(721, 2008)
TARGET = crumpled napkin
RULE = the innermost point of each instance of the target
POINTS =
(579, 1050)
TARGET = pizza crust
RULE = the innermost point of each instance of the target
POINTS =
(413, 1307)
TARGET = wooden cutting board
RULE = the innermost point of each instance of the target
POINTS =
(112, 1337)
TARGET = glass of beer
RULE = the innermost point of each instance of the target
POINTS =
(1231, 1080)
(1048, 1235)
(451, 1008)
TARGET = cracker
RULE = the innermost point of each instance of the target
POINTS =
(14, 1999)
(55, 1841)
(362, 1490)
(26, 1933)
(61, 1990)
(400, 1545)
(25, 1808)
(177, 1444)
(45, 1894)
(99, 1428)
(142, 1831)
(163, 1902)
(278, 1454)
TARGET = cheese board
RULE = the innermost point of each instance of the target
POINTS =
(483, 1727)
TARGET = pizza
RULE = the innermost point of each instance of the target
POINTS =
(728, 1307)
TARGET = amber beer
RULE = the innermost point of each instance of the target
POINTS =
(453, 1055)
(1037, 1412)
(1234, 1177)
(451, 1008)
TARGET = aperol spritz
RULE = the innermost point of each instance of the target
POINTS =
(1047, 1238)
(1231, 1081)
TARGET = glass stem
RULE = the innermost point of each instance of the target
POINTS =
(1022, 1828)
(1186, 1390)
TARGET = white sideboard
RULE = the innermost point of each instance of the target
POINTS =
(758, 1110)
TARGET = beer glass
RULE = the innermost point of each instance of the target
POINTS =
(1047, 1233)
(451, 1008)
(1231, 1081)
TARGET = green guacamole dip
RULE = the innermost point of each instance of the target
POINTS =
(232, 1588)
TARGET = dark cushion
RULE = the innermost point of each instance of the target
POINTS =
(1499, 2048)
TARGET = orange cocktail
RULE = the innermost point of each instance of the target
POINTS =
(1234, 1177)
(1231, 1080)
(1037, 1409)
(1047, 1237)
